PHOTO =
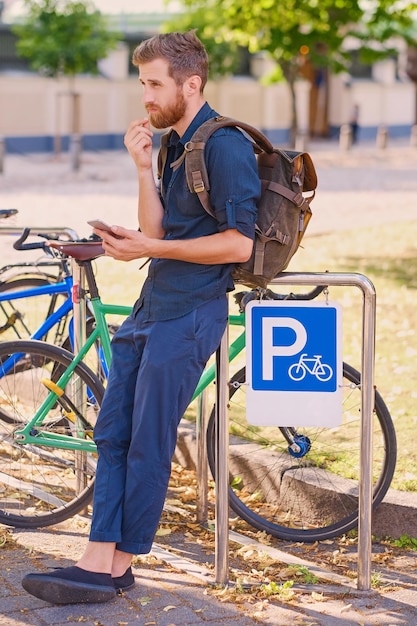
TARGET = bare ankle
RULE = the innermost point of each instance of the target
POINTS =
(97, 557)
(121, 562)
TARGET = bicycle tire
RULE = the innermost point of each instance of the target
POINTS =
(314, 497)
(19, 318)
(38, 484)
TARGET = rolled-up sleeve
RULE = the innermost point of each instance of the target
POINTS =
(234, 182)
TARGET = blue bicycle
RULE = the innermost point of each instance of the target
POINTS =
(36, 303)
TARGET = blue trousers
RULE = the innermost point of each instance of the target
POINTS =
(155, 370)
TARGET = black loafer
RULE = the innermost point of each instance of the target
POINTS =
(125, 582)
(70, 585)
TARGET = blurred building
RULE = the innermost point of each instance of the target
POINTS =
(35, 111)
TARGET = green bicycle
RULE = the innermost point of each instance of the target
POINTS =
(299, 484)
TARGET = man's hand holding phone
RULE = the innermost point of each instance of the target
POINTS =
(100, 225)
(126, 246)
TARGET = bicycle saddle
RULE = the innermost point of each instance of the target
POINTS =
(79, 250)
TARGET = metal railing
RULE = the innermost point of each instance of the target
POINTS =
(57, 231)
(367, 405)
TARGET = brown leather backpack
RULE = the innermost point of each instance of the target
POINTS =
(288, 181)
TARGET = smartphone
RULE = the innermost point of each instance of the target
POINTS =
(103, 226)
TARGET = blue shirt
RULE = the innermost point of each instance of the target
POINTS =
(174, 288)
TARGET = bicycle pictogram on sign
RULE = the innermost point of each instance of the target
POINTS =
(310, 365)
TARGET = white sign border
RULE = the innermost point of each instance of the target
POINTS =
(289, 408)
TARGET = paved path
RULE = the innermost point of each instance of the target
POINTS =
(177, 590)
(355, 189)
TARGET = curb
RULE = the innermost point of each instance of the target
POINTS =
(395, 516)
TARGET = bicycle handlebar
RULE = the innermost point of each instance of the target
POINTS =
(243, 297)
(20, 245)
(4, 213)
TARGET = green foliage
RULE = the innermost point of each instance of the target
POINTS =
(301, 36)
(376, 580)
(306, 576)
(283, 591)
(292, 30)
(222, 49)
(64, 37)
(409, 543)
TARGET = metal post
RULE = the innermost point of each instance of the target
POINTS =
(75, 151)
(2, 153)
(382, 137)
(202, 468)
(367, 402)
(301, 140)
(222, 462)
(366, 448)
(413, 136)
(345, 137)
(79, 318)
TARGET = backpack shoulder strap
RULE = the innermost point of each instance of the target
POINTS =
(195, 166)
(163, 153)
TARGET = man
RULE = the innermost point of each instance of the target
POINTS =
(160, 351)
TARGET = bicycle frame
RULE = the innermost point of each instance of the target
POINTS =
(62, 287)
(32, 433)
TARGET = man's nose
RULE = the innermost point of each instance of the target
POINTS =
(147, 96)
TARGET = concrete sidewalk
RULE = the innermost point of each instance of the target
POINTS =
(177, 589)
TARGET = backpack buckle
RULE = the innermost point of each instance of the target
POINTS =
(198, 183)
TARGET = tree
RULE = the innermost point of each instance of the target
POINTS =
(222, 49)
(307, 36)
(64, 38)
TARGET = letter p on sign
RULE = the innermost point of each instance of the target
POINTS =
(269, 351)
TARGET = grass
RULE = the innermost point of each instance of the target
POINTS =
(387, 255)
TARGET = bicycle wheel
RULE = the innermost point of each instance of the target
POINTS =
(42, 485)
(20, 317)
(311, 492)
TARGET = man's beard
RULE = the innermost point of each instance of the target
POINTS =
(164, 118)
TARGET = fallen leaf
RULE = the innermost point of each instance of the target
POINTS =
(161, 532)
(318, 597)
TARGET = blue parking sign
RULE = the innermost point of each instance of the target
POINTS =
(294, 358)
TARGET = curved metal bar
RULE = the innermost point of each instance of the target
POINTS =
(367, 406)
(59, 231)
(367, 401)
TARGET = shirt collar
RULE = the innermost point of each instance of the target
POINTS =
(174, 140)
(205, 113)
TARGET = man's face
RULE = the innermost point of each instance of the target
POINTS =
(163, 99)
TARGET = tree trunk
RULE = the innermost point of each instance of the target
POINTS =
(412, 73)
(75, 142)
(290, 73)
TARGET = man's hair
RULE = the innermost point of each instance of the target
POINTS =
(184, 52)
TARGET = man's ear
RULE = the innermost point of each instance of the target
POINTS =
(192, 85)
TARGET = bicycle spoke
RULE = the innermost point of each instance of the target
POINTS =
(302, 483)
(41, 485)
